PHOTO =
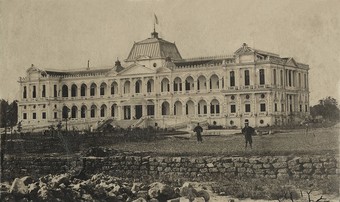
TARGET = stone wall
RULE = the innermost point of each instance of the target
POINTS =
(212, 168)
(174, 168)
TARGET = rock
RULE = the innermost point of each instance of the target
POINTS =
(136, 187)
(204, 194)
(153, 200)
(63, 178)
(160, 190)
(27, 180)
(87, 197)
(199, 199)
(18, 187)
(140, 200)
(44, 194)
(33, 189)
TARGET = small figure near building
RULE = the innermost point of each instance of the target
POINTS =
(248, 133)
(198, 130)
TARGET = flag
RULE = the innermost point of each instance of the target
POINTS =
(156, 19)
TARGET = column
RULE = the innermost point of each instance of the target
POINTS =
(132, 112)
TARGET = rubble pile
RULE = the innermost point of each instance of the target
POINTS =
(100, 187)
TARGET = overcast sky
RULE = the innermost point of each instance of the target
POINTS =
(64, 34)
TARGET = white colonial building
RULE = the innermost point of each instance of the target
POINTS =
(155, 85)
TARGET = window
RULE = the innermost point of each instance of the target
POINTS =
(64, 91)
(262, 78)
(43, 93)
(247, 107)
(74, 89)
(246, 78)
(231, 122)
(275, 107)
(300, 108)
(305, 80)
(34, 115)
(34, 93)
(290, 77)
(25, 92)
(306, 108)
(24, 115)
(281, 77)
(83, 90)
(93, 111)
(55, 115)
(83, 112)
(55, 91)
(232, 108)
(43, 115)
(102, 88)
(262, 96)
(137, 87)
(262, 107)
(274, 74)
(299, 78)
(232, 78)
(93, 89)
(261, 121)
(149, 87)
(282, 107)
(103, 111)
(74, 111)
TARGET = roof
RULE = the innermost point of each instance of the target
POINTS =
(67, 72)
(245, 49)
(154, 48)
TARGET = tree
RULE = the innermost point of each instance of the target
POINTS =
(8, 113)
(327, 108)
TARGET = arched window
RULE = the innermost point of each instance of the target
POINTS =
(114, 88)
(83, 111)
(202, 107)
(189, 83)
(83, 90)
(103, 87)
(93, 89)
(138, 86)
(178, 108)
(165, 108)
(190, 108)
(178, 84)
(74, 89)
(114, 110)
(165, 85)
(93, 111)
(149, 86)
(126, 87)
(34, 92)
(65, 112)
(232, 78)
(214, 82)
(214, 107)
(74, 112)
(64, 90)
(103, 111)
(201, 83)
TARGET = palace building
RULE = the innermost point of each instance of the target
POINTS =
(156, 86)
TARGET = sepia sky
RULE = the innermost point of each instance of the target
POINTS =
(64, 34)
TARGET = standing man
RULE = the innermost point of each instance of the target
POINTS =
(198, 129)
(248, 132)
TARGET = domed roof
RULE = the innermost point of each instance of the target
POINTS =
(154, 48)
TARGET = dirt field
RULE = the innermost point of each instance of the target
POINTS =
(317, 141)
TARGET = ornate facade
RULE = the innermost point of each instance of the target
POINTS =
(155, 85)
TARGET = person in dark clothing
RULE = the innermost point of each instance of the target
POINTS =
(198, 130)
(248, 132)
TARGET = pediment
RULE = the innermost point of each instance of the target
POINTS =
(163, 70)
(112, 72)
(137, 69)
(291, 62)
